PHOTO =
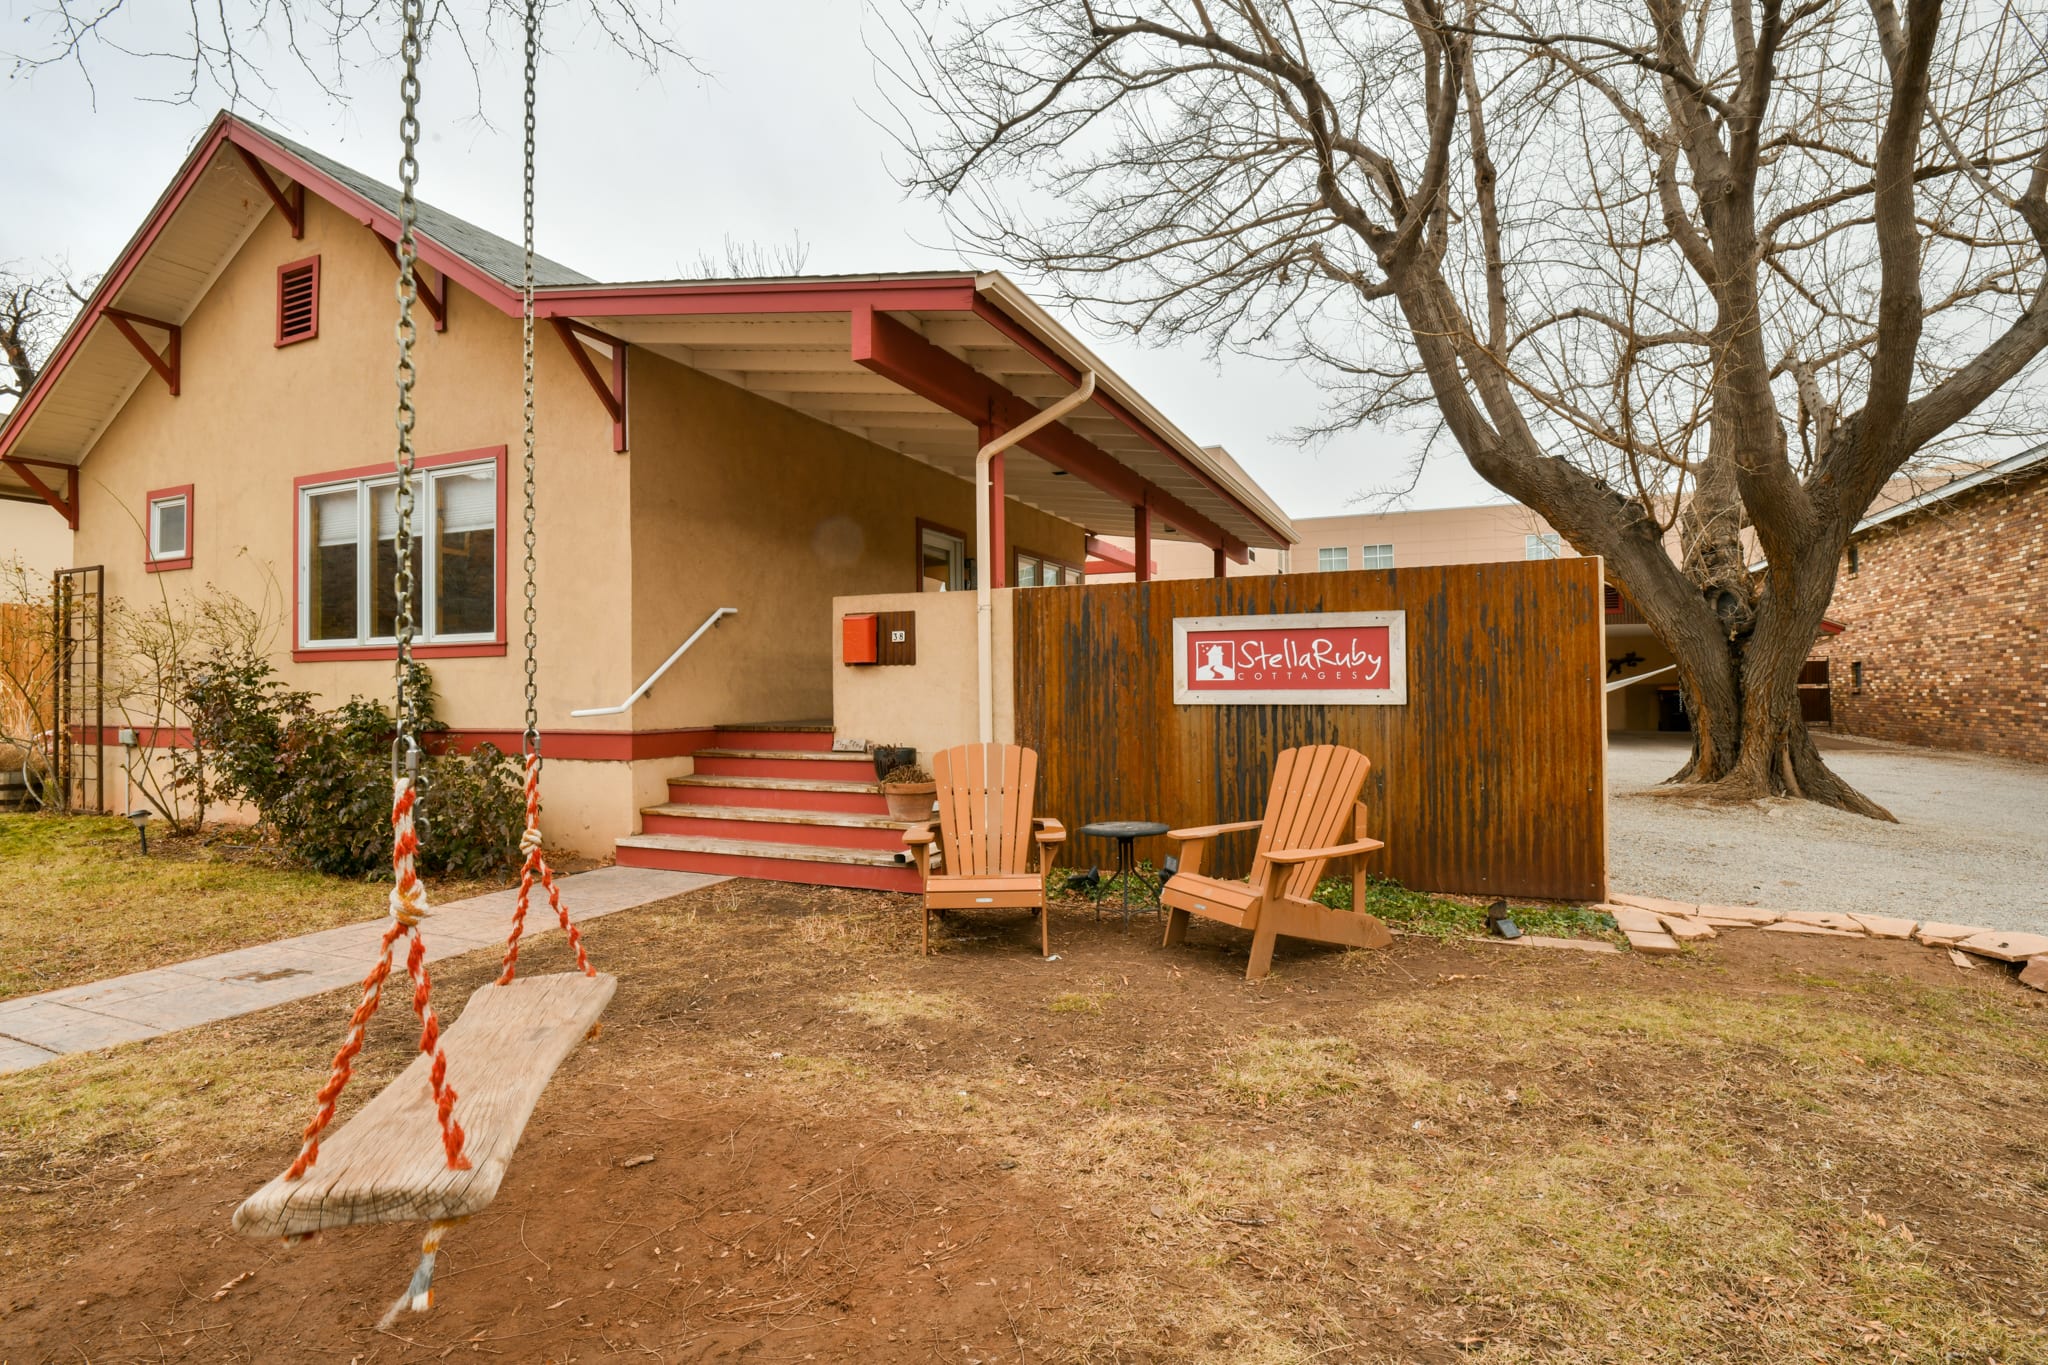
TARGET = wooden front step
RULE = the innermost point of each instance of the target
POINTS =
(822, 764)
(779, 793)
(806, 864)
(770, 824)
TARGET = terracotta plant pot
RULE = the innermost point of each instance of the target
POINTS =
(910, 800)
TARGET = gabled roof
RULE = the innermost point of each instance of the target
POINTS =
(963, 348)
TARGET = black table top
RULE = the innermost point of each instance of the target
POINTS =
(1124, 829)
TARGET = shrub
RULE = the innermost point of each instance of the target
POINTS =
(321, 780)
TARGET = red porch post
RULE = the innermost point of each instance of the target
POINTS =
(996, 575)
(1221, 561)
(1141, 533)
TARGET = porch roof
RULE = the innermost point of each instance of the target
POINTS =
(918, 363)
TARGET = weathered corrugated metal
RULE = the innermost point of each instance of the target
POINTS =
(1490, 781)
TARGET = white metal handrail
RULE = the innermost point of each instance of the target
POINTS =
(1614, 686)
(655, 676)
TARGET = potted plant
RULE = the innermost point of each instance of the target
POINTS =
(910, 791)
(889, 757)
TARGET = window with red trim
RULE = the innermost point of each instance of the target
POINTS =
(168, 526)
(298, 301)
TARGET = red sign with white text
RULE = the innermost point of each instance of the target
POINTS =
(1343, 658)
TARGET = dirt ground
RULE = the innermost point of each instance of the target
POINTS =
(1770, 1149)
(1967, 848)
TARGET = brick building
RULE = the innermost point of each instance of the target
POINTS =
(1943, 601)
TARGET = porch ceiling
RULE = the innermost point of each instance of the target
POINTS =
(804, 361)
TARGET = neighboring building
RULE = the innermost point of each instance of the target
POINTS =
(34, 533)
(765, 445)
(1487, 534)
(1943, 603)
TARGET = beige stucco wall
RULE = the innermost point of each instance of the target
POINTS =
(932, 704)
(35, 534)
(737, 501)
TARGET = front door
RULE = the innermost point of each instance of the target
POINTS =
(942, 561)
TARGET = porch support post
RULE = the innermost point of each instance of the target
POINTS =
(1141, 534)
(1221, 561)
(997, 570)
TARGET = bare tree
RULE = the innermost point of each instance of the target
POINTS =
(35, 306)
(750, 260)
(1718, 266)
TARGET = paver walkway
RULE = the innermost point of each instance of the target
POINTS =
(35, 1028)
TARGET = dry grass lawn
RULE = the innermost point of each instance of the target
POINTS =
(79, 902)
(1769, 1149)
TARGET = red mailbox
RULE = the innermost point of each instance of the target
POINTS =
(858, 636)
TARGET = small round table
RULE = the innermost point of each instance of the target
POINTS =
(1126, 833)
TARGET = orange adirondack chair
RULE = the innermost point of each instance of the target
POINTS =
(985, 794)
(1314, 795)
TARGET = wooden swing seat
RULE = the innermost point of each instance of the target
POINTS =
(387, 1165)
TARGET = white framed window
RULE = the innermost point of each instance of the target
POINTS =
(1333, 558)
(1036, 571)
(348, 557)
(170, 527)
(1375, 556)
(1548, 545)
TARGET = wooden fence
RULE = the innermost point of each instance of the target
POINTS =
(1491, 780)
(24, 660)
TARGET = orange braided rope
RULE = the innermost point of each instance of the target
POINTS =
(529, 844)
(408, 908)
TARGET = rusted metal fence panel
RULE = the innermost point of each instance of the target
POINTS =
(1491, 780)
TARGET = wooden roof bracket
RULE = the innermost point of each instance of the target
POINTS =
(290, 202)
(66, 503)
(611, 391)
(435, 298)
(166, 364)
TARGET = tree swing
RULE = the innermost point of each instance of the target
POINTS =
(408, 1154)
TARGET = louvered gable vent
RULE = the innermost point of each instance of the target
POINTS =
(298, 301)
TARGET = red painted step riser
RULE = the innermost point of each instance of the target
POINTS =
(810, 769)
(856, 803)
(774, 869)
(809, 740)
(710, 825)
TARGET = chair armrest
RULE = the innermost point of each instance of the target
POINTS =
(1049, 830)
(1287, 857)
(1211, 831)
(918, 835)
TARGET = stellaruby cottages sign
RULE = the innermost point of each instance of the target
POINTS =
(1337, 658)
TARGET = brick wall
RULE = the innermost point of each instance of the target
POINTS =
(1948, 614)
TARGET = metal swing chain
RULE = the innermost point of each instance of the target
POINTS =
(531, 738)
(408, 293)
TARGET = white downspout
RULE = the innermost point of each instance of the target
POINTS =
(984, 619)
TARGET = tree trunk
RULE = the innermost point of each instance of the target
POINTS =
(1746, 691)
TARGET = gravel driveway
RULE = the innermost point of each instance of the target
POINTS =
(1971, 844)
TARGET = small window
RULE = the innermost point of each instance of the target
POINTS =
(1036, 571)
(1856, 676)
(1549, 545)
(298, 301)
(170, 529)
(1375, 556)
(1854, 559)
(1333, 558)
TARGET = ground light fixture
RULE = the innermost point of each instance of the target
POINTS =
(140, 819)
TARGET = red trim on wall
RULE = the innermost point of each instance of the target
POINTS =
(469, 649)
(150, 562)
(66, 503)
(292, 206)
(594, 746)
(311, 263)
(435, 300)
(613, 393)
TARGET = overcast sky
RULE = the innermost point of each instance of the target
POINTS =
(638, 174)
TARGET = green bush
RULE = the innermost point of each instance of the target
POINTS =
(320, 780)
